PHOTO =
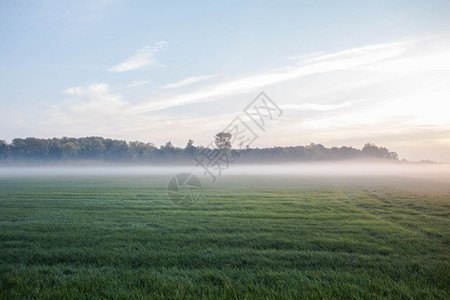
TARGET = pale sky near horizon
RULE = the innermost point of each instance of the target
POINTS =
(344, 72)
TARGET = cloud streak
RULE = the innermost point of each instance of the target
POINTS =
(188, 81)
(141, 58)
(137, 83)
(345, 60)
(316, 106)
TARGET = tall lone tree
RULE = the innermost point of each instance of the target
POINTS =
(223, 141)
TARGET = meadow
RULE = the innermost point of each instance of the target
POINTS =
(248, 237)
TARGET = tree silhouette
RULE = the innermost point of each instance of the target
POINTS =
(99, 148)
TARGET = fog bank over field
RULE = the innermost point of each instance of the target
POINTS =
(322, 169)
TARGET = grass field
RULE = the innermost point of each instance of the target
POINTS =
(258, 237)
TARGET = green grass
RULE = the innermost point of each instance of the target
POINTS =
(257, 237)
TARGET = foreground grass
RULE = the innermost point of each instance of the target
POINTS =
(264, 237)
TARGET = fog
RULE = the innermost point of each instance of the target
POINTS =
(342, 169)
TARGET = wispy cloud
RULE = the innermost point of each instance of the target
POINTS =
(73, 91)
(137, 83)
(316, 106)
(141, 58)
(91, 99)
(345, 60)
(188, 81)
(92, 108)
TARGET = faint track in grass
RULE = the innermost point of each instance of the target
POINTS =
(382, 213)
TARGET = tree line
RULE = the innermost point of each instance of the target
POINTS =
(109, 150)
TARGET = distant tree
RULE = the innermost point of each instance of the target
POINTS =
(92, 147)
(169, 145)
(190, 148)
(223, 140)
(115, 149)
(30, 148)
(189, 144)
(140, 151)
(54, 149)
(316, 151)
(3, 149)
(393, 155)
(371, 150)
(69, 150)
(171, 154)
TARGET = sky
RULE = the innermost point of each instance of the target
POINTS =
(343, 72)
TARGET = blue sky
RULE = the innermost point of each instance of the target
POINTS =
(344, 72)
